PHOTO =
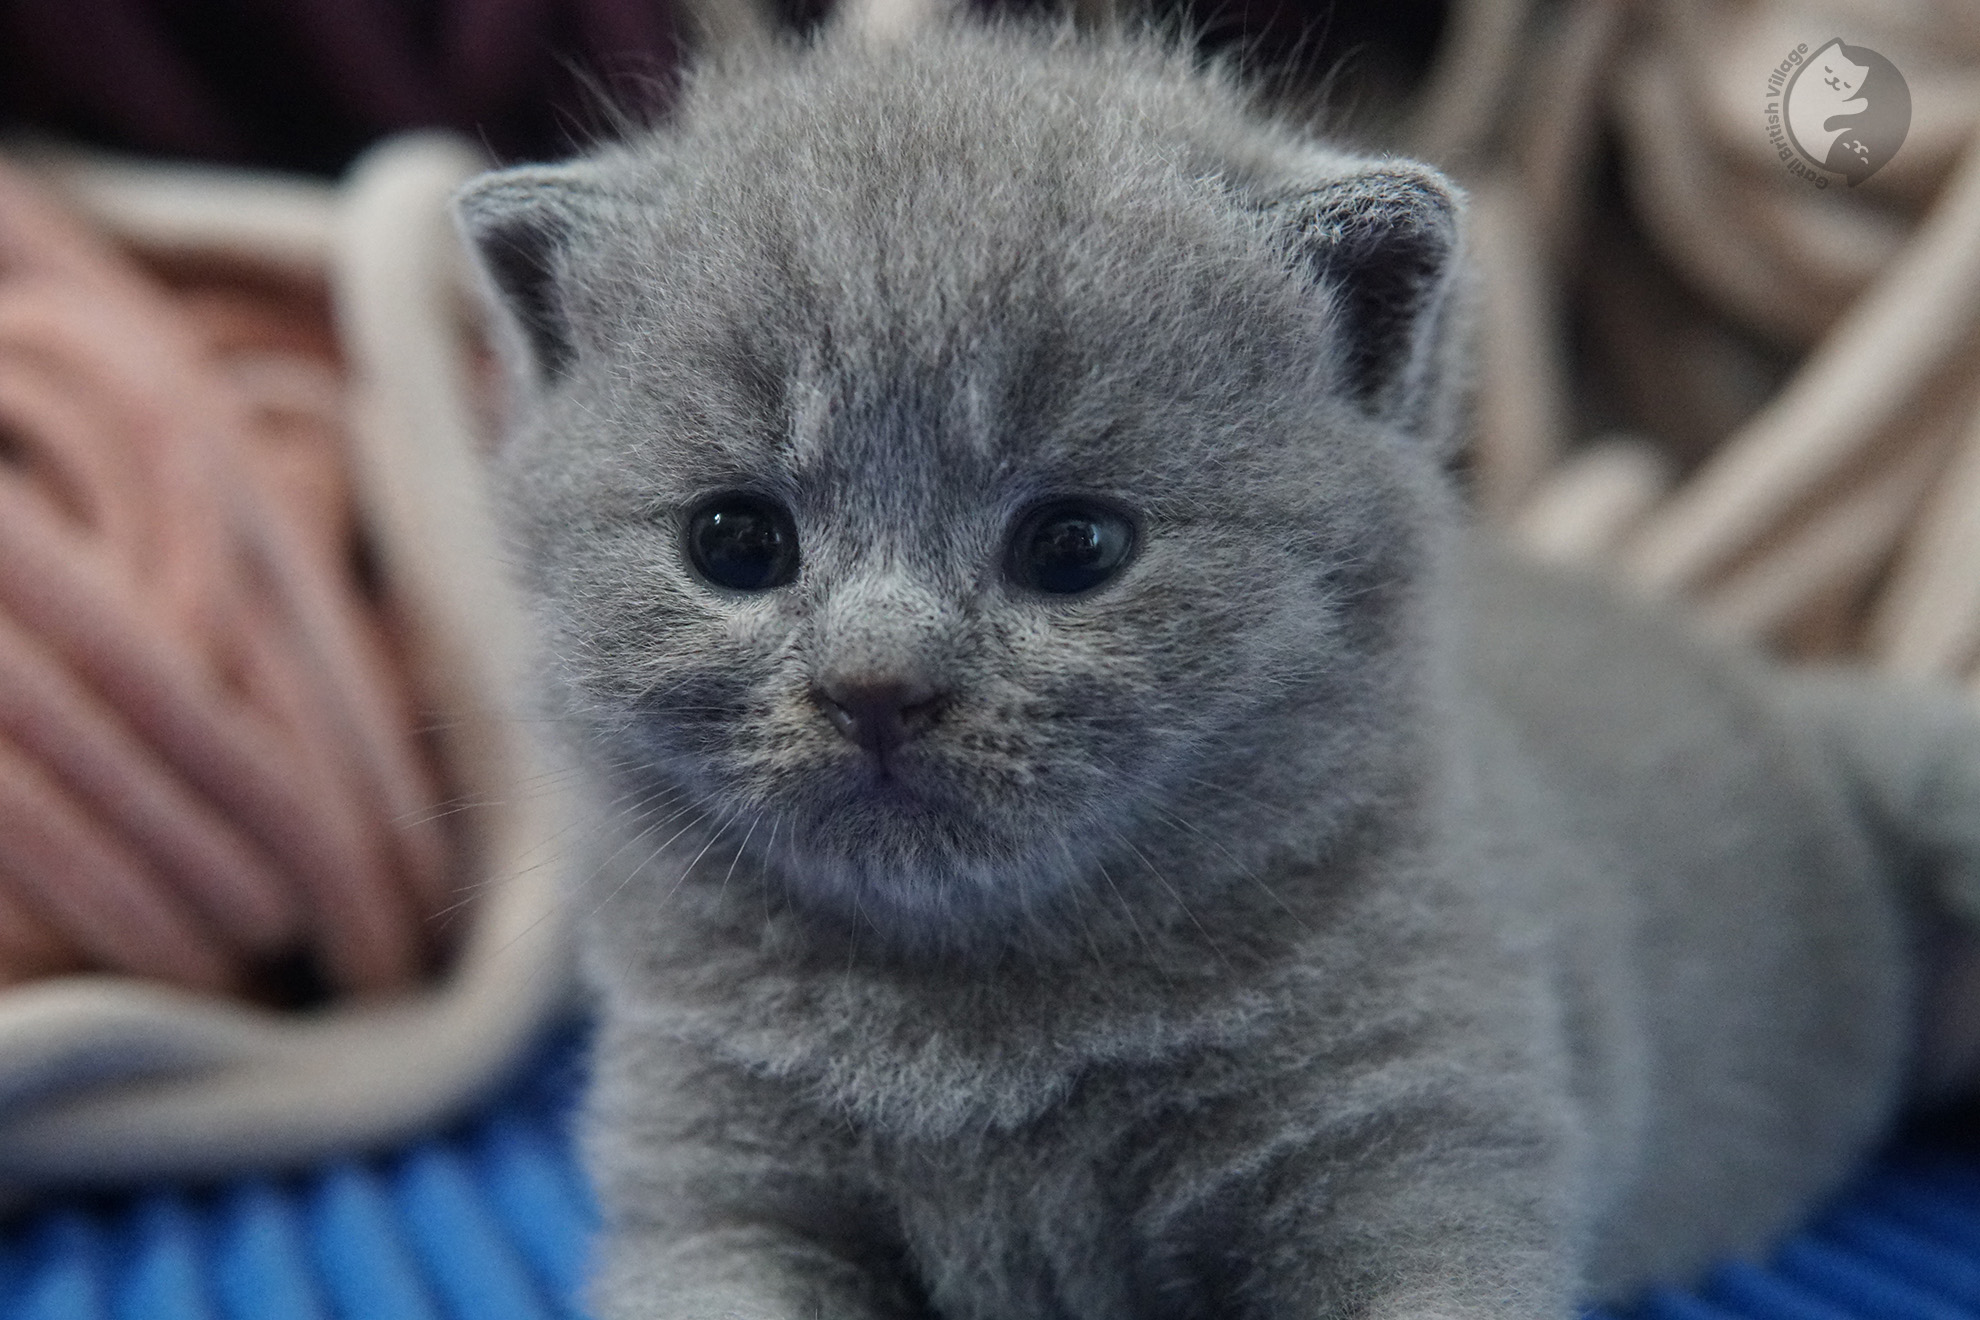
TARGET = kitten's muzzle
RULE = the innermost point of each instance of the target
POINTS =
(879, 716)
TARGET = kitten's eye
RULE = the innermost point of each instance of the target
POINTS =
(1069, 547)
(743, 542)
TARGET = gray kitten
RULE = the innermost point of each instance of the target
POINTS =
(1094, 837)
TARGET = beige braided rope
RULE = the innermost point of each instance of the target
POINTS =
(1838, 513)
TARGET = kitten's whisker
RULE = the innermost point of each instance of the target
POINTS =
(544, 853)
(533, 786)
(566, 898)
(1127, 910)
(634, 872)
(721, 826)
(620, 810)
(852, 942)
(1176, 894)
(1177, 821)
(1085, 923)
(470, 891)
(1246, 871)
(741, 848)
(1245, 799)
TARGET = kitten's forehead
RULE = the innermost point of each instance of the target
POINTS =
(925, 275)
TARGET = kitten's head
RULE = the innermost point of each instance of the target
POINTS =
(944, 465)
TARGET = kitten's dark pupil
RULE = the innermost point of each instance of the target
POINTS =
(1072, 543)
(744, 544)
(1071, 549)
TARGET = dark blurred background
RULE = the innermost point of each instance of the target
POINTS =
(307, 84)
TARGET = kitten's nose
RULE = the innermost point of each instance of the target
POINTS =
(878, 714)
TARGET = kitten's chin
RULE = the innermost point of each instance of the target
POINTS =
(900, 859)
(916, 908)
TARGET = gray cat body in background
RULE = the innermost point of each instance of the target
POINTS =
(1082, 829)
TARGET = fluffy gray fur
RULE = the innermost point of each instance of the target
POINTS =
(1323, 918)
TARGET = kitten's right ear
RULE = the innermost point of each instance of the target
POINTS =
(1382, 237)
(518, 222)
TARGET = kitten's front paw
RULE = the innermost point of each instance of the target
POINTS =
(630, 1299)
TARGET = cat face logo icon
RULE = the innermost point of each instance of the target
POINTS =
(1847, 110)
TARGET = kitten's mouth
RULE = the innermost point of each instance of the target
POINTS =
(901, 796)
(894, 780)
(883, 780)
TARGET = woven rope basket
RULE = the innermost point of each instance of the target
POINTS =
(106, 1079)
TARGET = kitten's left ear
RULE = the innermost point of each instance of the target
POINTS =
(1383, 240)
(518, 223)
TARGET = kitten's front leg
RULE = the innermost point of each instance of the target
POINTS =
(1413, 1198)
(725, 1200)
(1434, 1250)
